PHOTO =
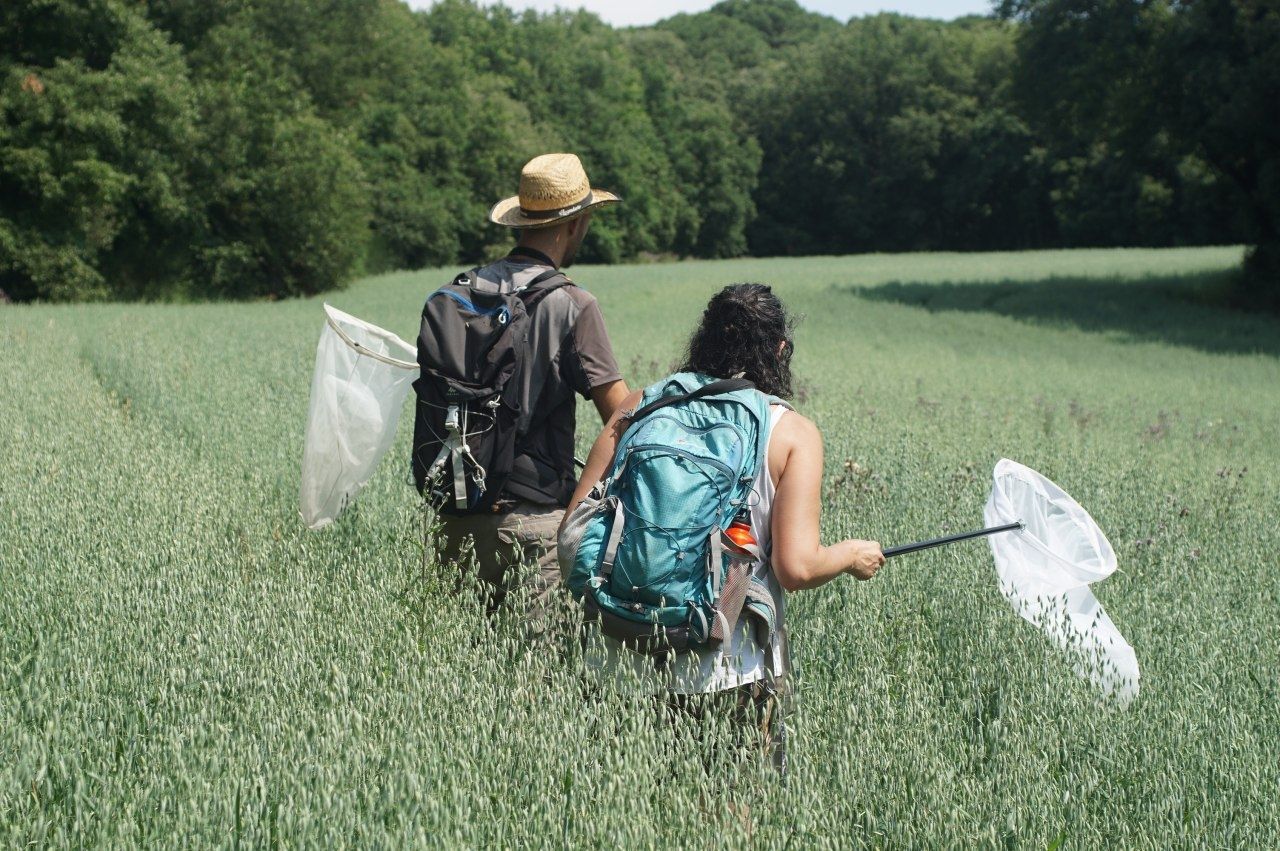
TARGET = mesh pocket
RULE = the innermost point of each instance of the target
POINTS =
(732, 597)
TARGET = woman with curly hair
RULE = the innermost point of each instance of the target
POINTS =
(745, 333)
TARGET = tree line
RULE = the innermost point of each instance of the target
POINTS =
(186, 149)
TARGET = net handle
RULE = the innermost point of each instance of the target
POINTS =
(904, 549)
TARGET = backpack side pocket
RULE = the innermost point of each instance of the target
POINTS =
(762, 611)
(574, 528)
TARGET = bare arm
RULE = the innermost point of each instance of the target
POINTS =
(608, 398)
(602, 450)
(799, 560)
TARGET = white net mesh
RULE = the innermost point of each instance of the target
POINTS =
(362, 376)
(1046, 569)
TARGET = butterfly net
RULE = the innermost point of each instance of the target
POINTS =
(1046, 569)
(362, 376)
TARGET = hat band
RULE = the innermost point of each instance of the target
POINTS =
(562, 211)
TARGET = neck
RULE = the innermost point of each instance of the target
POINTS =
(550, 250)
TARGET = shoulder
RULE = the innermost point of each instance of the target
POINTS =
(797, 429)
(795, 435)
(579, 311)
(574, 295)
(562, 308)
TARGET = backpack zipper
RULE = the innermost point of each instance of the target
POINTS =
(671, 450)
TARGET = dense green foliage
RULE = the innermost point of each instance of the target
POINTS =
(130, 169)
(1167, 108)
(182, 664)
(94, 155)
(185, 148)
(889, 109)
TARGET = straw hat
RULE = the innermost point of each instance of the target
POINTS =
(553, 189)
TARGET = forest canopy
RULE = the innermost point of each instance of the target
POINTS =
(186, 149)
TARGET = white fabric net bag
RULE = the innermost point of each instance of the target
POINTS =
(1046, 569)
(362, 376)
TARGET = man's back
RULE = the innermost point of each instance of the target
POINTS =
(567, 352)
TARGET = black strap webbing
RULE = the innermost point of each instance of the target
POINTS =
(532, 294)
(723, 385)
(471, 276)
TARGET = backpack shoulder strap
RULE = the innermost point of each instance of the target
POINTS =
(776, 400)
(723, 385)
(547, 276)
(542, 286)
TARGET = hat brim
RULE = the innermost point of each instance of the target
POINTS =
(507, 212)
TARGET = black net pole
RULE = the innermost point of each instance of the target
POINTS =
(949, 539)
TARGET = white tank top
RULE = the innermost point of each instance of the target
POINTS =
(742, 661)
(762, 511)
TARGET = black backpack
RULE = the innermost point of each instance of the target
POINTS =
(471, 348)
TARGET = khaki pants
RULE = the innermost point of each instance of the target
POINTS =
(511, 549)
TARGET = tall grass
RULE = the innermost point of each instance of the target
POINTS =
(181, 663)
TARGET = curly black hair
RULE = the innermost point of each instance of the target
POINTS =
(741, 331)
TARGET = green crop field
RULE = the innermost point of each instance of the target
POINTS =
(182, 664)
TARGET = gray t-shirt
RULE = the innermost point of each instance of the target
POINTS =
(569, 352)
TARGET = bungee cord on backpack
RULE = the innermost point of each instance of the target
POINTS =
(455, 450)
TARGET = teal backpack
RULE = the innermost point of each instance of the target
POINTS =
(647, 550)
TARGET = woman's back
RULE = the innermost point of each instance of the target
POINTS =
(630, 547)
(744, 334)
(747, 657)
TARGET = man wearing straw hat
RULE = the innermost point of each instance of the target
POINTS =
(568, 354)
